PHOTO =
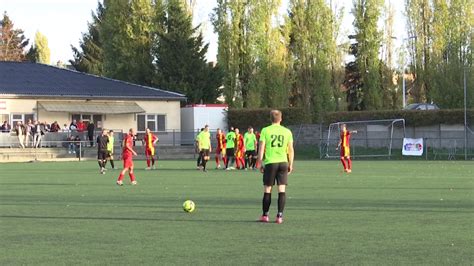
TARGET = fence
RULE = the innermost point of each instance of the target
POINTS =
(441, 142)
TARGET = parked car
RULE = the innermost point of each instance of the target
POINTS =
(421, 106)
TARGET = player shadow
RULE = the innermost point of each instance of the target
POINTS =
(187, 219)
(393, 188)
(38, 184)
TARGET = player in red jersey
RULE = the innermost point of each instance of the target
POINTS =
(127, 157)
(239, 150)
(220, 151)
(344, 144)
(150, 140)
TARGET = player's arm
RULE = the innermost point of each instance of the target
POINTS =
(291, 156)
(155, 139)
(210, 144)
(261, 151)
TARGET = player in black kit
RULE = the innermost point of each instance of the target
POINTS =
(102, 141)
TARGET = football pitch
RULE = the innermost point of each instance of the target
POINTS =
(385, 212)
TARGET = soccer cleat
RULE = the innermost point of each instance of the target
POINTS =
(154, 168)
(279, 220)
(218, 167)
(120, 183)
(264, 219)
(147, 168)
(134, 182)
(349, 171)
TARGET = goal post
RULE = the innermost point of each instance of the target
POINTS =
(374, 138)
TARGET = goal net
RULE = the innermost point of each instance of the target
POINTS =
(374, 138)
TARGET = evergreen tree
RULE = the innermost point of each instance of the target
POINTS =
(126, 37)
(180, 57)
(89, 57)
(39, 51)
(12, 41)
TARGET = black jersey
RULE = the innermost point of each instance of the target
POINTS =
(102, 142)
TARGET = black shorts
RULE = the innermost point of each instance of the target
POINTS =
(204, 152)
(102, 155)
(250, 153)
(230, 152)
(275, 172)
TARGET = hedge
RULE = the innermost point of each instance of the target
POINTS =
(259, 118)
(412, 117)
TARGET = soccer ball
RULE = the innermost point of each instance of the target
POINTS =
(189, 206)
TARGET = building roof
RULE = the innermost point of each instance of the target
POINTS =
(25, 79)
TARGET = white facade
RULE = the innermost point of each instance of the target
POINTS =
(194, 117)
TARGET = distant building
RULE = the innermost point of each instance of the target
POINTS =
(48, 93)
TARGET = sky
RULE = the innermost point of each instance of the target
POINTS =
(64, 21)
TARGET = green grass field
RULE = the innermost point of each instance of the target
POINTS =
(385, 212)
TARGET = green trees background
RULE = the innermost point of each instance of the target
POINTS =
(269, 58)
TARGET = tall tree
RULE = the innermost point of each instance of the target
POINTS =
(366, 16)
(231, 23)
(267, 50)
(312, 48)
(126, 37)
(419, 18)
(12, 41)
(39, 51)
(180, 57)
(89, 56)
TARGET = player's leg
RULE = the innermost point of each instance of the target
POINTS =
(122, 173)
(131, 174)
(205, 159)
(254, 160)
(111, 159)
(147, 156)
(269, 175)
(349, 164)
(282, 181)
(218, 152)
(152, 156)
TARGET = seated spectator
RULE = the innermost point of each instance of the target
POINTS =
(5, 127)
(55, 127)
(73, 125)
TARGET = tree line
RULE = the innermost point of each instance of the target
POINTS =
(269, 59)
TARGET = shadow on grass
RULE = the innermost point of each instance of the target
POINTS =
(124, 219)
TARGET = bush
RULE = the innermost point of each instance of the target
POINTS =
(259, 118)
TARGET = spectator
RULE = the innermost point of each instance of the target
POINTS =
(55, 127)
(21, 133)
(90, 133)
(70, 144)
(81, 127)
(5, 127)
(73, 125)
(36, 132)
(46, 126)
(29, 136)
(66, 128)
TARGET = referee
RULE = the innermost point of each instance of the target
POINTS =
(276, 145)
(102, 141)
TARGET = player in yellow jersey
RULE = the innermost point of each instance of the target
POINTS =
(276, 152)
(204, 145)
(110, 149)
